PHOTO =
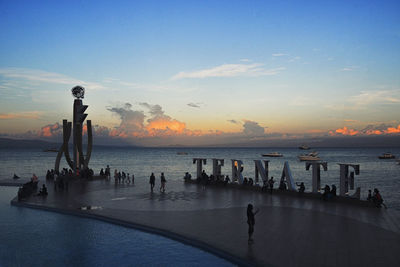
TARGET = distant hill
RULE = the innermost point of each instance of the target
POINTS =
(19, 143)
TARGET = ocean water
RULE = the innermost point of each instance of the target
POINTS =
(374, 173)
(40, 238)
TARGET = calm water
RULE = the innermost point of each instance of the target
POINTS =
(39, 238)
(382, 174)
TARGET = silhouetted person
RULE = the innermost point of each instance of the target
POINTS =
(282, 185)
(265, 185)
(187, 176)
(301, 186)
(327, 192)
(163, 181)
(251, 221)
(101, 172)
(245, 181)
(133, 178)
(107, 172)
(227, 179)
(333, 191)
(251, 182)
(369, 198)
(271, 184)
(152, 181)
(43, 191)
(377, 199)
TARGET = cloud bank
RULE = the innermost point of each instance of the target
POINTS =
(229, 70)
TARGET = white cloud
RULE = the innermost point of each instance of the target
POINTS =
(294, 59)
(229, 70)
(349, 68)
(376, 97)
(279, 55)
(46, 77)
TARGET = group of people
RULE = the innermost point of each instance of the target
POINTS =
(152, 182)
(122, 177)
(268, 184)
(329, 193)
(106, 172)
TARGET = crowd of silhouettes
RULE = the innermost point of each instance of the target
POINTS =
(122, 177)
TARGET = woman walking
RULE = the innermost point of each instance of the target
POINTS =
(163, 181)
(251, 221)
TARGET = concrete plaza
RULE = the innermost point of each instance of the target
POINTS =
(289, 230)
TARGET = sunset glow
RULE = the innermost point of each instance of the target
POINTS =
(202, 73)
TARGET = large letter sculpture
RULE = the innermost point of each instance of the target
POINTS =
(79, 160)
(287, 176)
(345, 180)
(199, 162)
(316, 174)
(237, 170)
(260, 170)
(217, 164)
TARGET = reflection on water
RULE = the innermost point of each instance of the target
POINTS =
(39, 238)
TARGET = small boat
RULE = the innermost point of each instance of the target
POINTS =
(181, 153)
(387, 155)
(304, 147)
(313, 156)
(51, 150)
(273, 155)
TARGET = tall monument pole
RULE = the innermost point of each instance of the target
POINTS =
(79, 160)
(78, 118)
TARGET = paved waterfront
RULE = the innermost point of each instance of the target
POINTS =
(289, 231)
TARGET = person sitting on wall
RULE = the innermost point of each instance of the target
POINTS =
(251, 182)
(227, 180)
(34, 178)
(282, 185)
(43, 191)
(245, 181)
(101, 172)
(333, 191)
(369, 198)
(187, 176)
(265, 185)
(377, 199)
(301, 186)
(327, 191)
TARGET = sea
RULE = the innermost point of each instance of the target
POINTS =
(174, 162)
(40, 238)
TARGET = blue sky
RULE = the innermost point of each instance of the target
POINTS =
(290, 67)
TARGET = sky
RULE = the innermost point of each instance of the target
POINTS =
(201, 72)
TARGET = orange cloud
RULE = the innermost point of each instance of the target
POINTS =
(20, 115)
(51, 130)
(344, 131)
(373, 132)
(165, 126)
(392, 130)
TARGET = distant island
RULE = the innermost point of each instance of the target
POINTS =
(347, 141)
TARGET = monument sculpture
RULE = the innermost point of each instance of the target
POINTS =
(79, 161)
